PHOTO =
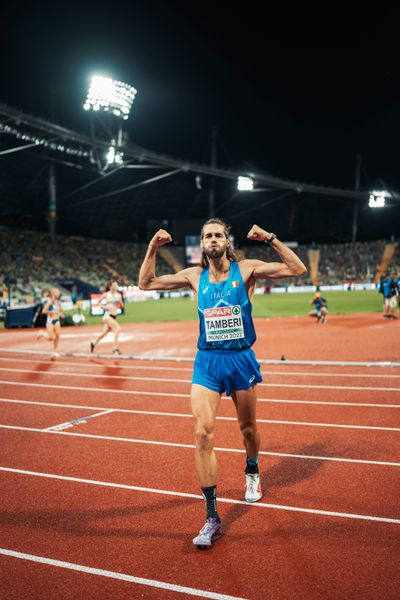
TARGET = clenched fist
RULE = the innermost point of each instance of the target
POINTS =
(256, 233)
(161, 238)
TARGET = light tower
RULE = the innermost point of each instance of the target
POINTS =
(112, 100)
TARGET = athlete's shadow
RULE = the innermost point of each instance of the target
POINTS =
(40, 369)
(98, 522)
(115, 369)
(289, 471)
(111, 371)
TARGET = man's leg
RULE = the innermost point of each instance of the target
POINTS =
(205, 403)
(245, 402)
(393, 307)
(386, 309)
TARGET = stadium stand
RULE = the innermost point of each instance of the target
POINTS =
(338, 263)
(37, 262)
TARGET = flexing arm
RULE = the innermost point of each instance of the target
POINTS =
(291, 266)
(147, 275)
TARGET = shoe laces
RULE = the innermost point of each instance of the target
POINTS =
(209, 525)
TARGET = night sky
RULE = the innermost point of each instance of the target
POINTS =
(292, 95)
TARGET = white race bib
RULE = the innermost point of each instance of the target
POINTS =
(223, 323)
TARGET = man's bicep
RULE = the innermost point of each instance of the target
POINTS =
(270, 270)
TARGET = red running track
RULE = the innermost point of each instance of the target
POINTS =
(116, 496)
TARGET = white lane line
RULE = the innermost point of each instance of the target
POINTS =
(326, 513)
(185, 381)
(192, 446)
(313, 363)
(321, 374)
(311, 424)
(116, 575)
(170, 395)
(330, 387)
(190, 369)
(91, 389)
(327, 403)
(270, 421)
(73, 422)
(129, 410)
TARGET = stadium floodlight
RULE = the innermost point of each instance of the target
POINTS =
(107, 95)
(114, 157)
(377, 199)
(245, 184)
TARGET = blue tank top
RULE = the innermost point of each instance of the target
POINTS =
(225, 313)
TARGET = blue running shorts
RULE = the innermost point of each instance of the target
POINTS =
(223, 370)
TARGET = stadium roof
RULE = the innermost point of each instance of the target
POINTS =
(128, 201)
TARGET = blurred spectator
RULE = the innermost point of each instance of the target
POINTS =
(36, 261)
(338, 264)
(321, 307)
(389, 289)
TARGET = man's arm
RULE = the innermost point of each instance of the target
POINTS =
(291, 266)
(147, 275)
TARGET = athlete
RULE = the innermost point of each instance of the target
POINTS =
(321, 308)
(111, 300)
(225, 361)
(53, 310)
(390, 290)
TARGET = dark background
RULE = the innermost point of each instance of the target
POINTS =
(294, 95)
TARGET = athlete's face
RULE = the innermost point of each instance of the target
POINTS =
(114, 286)
(214, 242)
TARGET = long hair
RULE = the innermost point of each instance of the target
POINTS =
(230, 253)
(109, 284)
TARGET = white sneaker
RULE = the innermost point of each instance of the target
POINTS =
(253, 487)
(211, 531)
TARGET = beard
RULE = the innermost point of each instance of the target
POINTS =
(217, 252)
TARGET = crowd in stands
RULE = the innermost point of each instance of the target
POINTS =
(350, 262)
(338, 263)
(36, 261)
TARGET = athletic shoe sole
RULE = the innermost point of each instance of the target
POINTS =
(252, 500)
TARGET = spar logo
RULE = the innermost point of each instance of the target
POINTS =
(221, 311)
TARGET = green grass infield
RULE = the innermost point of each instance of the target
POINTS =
(264, 306)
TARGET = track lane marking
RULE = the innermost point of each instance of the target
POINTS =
(170, 380)
(78, 420)
(117, 575)
(91, 389)
(284, 507)
(170, 395)
(270, 421)
(266, 400)
(264, 361)
(192, 446)
(190, 369)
